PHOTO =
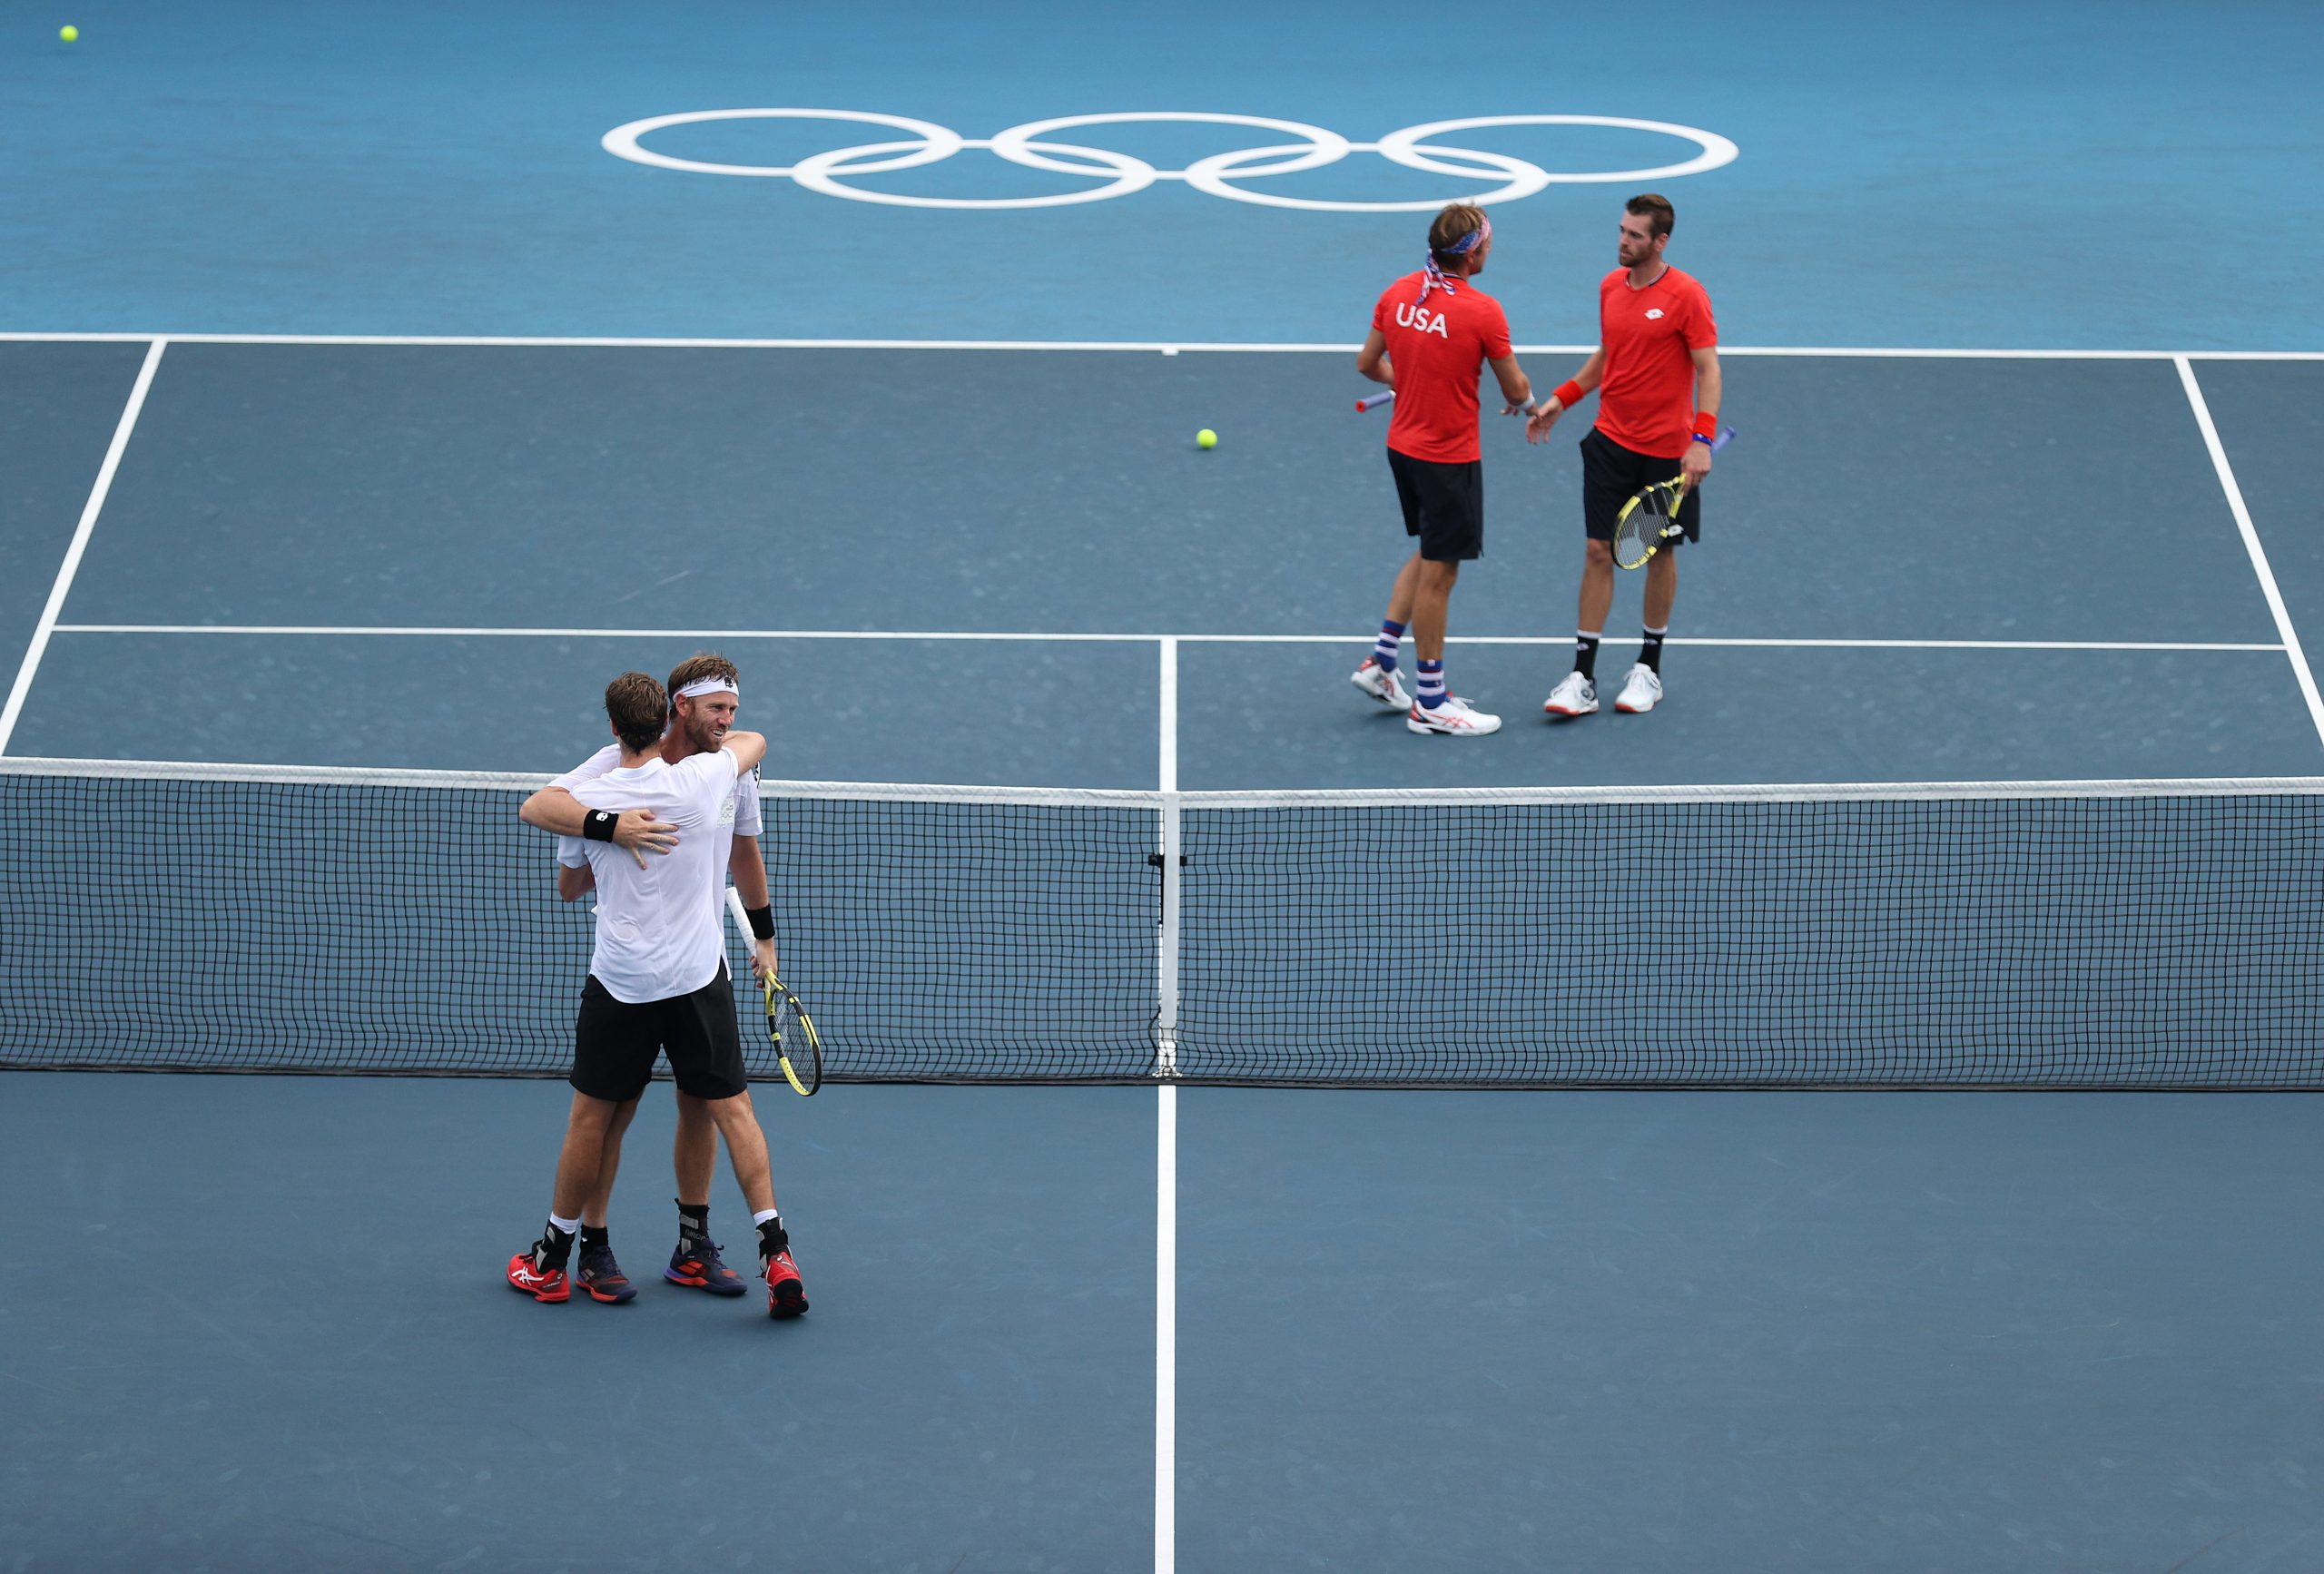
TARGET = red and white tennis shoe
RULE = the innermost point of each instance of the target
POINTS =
(1386, 687)
(786, 1296)
(1455, 718)
(526, 1275)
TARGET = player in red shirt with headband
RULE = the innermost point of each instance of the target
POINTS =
(1656, 371)
(1431, 332)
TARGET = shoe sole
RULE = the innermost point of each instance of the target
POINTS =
(1381, 700)
(544, 1300)
(787, 1300)
(1634, 709)
(621, 1298)
(735, 1289)
(1452, 732)
(1561, 710)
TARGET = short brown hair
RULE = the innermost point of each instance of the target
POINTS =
(1660, 217)
(700, 665)
(634, 706)
(1457, 220)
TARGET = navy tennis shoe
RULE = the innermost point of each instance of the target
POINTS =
(697, 1263)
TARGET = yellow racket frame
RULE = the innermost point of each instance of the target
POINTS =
(771, 990)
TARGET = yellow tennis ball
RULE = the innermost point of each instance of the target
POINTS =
(1205, 439)
(68, 32)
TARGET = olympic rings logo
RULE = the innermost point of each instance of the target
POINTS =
(1122, 174)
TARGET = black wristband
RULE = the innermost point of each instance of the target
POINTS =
(597, 825)
(762, 921)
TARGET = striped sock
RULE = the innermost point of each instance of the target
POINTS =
(1585, 656)
(1432, 684)
(1649, 650)
(1383, 650)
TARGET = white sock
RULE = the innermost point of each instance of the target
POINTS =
(762, 1217)
(570, 1226)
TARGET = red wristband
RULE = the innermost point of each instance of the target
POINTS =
(1568, 393)
(1706, 425)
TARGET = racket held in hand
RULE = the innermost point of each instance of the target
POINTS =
(1651, 519)
(797, 1048)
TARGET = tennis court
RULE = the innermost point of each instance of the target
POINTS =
(370, 453)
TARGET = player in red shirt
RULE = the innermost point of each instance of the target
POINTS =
(1656, 371)
(1431, 333)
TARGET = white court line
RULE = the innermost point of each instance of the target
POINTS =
(1165, 1330)
(2251, 547)
(1031, 636)
(23, 687)
(1166, 1150)
(1169, 692)
(494, 341)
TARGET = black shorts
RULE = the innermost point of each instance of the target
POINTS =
(1445, 506)
(615, 1042)
(1612, 474)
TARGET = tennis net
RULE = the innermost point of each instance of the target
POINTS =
(2049, 934)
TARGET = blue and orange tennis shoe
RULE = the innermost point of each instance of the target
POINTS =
(697, 1263)
(528, 1273)
(603, 1278)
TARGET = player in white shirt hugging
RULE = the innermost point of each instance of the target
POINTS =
(657, 984)
(706, 695)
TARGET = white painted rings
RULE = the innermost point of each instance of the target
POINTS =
(1122, 174)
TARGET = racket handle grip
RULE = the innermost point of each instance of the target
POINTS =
(740, 913)
(1375, 401)
(1726, 436)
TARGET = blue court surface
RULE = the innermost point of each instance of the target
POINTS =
(376, 382)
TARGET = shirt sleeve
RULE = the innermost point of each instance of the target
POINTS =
(706, 779)
(572, 852)
(747, 821)
(1496, 331)
(590, 769)
(1702, 329)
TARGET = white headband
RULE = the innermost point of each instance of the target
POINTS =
(708, 686)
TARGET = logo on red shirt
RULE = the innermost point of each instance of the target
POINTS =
(1420, 319)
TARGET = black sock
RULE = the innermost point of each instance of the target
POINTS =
(772, 1238)
(1585, 656)
(1649, 650)
(693, 1223)
(555, 1249)
(595, 1239)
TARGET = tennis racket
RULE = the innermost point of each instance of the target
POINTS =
(1651, 517)
(1375, 401)
(797, 1049)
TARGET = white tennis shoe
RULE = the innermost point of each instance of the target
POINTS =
(1575, 695)
(1383, 686)
(1641, 691)
(1455, 718)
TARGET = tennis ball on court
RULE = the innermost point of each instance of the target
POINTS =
(1205, 439)
(68, 32)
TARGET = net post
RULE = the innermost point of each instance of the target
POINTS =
(1165, 949)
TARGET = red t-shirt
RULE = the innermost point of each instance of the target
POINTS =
(1647, 401)
(1437, 349)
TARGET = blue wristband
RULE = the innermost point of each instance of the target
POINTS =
(1700, 439)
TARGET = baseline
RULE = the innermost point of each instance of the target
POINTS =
(1038, 637)
(1140, 346)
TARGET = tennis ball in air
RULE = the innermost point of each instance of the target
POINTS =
(1205, 439)
(68, 32)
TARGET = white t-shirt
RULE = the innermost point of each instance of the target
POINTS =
(657, 934)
